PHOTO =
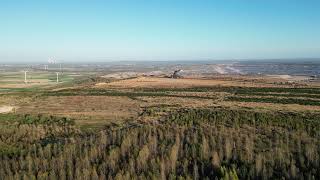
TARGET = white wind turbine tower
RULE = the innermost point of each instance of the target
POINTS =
(60, 67)
(53, 61)
(25, 76)
(49, 62)
(57, 77)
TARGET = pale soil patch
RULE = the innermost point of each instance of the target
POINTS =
(6, 109)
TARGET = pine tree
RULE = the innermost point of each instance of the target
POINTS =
(52, 175)
(215, 160)
(94, 174)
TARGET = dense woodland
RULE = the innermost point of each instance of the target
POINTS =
(212, 143)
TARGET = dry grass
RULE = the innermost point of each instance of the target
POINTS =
(200, 103)
(156, 82)
(148, 82)
(85, 109)
(176, 102)
(17, 85)
(271, 106)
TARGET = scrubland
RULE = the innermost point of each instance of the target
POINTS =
(158, 128)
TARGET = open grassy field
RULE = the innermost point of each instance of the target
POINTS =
(14, 81)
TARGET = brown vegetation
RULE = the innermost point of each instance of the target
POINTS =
(85, 109)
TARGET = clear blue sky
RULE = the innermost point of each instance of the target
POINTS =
(79, 30)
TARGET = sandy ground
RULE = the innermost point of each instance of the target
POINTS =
(6, 109)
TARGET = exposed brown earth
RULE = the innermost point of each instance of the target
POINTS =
(156, 82)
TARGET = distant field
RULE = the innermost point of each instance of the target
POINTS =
(157, 82)
(14, 81)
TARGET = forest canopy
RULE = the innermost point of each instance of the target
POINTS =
(184, 144)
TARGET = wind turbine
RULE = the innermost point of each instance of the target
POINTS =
(55, 62)
(57, 77)
(25, 76)
(61, 68)
(52, 61)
